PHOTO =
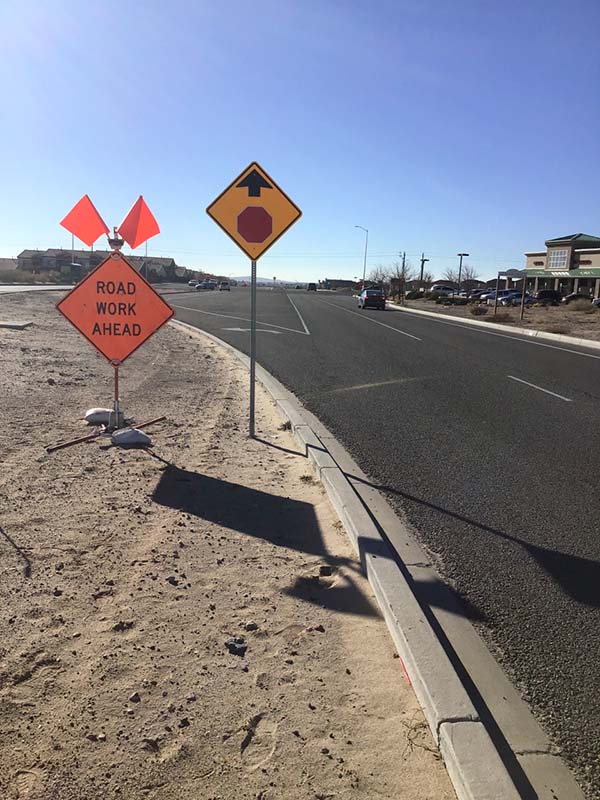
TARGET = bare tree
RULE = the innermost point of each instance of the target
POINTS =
(402, 272)
(451, 275)
(469, 273)
(427, 278)
(379, 274)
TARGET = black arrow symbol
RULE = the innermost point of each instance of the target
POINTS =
(254, 182)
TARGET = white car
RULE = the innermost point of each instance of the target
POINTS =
(192, 283)
(440, 288)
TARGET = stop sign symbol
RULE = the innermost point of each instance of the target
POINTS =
(255, 224)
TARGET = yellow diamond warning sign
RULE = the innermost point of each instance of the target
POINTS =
(254, 211)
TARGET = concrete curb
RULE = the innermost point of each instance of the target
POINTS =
(508, 329)
(474, 765)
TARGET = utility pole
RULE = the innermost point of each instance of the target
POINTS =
(461, 256)
(423, 262)
(402, 279)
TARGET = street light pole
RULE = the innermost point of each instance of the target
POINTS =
(466, 255)
(366, 230)
(423, 262)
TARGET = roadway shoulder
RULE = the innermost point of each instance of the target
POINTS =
(435, 681)
(508, 329)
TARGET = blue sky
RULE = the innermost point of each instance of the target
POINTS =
(440, 126)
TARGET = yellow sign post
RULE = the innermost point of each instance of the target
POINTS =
(254, 212)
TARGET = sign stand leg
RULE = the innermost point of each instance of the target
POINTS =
(116, 418)
(252, 348)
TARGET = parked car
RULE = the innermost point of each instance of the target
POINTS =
(192, 282)
(515, 298)
(568, 298)
(596, 301)
(224, 286)
(476, 293)
(312, 287)
(441, 288)
(547, 297)
(372, 298)
(204, 286)
(490, 297)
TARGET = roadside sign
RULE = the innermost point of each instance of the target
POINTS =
(254, 211)
(115, 308)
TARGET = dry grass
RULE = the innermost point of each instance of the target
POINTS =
(578, 318)
(581, 306)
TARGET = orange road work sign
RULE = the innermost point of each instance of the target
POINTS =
(254, 211)
(115, 308)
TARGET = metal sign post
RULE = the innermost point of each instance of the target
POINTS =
(252, 348)
(253, 211)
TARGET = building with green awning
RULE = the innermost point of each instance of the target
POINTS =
(569, 264)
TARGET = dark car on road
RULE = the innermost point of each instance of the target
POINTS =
(547, 297)
(312, 287)
(372, 298)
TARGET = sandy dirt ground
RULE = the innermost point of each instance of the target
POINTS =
(188, 621)
(572, 320)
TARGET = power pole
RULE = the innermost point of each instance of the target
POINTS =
(401, 287)
(423, 262)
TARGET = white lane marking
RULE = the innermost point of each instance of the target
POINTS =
(242, 319)
(258, 330)
(369, 319)
(299, 315)
(374, 385)
(515, 338)
(540, 389)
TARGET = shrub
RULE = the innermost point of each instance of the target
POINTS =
(478, 311)
(580, 305)
(501, 316)
(557, 328)
(16, 276)
(413, 295)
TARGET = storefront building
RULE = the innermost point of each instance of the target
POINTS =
(569, 264)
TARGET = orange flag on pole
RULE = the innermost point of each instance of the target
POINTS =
(139, 225)
(84, 222)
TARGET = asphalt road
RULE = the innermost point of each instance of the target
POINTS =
(488, 444)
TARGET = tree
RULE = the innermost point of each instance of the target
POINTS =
(469, 273)
(451, 275)
(402, 272)
(427, 278)
(379, 274)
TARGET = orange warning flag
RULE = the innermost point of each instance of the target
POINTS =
(84, 222)
(139, 225)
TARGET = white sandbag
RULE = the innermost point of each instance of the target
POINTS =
(98, 416)
(126, 437)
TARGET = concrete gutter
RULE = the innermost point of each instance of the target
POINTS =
(495, 326)
(492, 747)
